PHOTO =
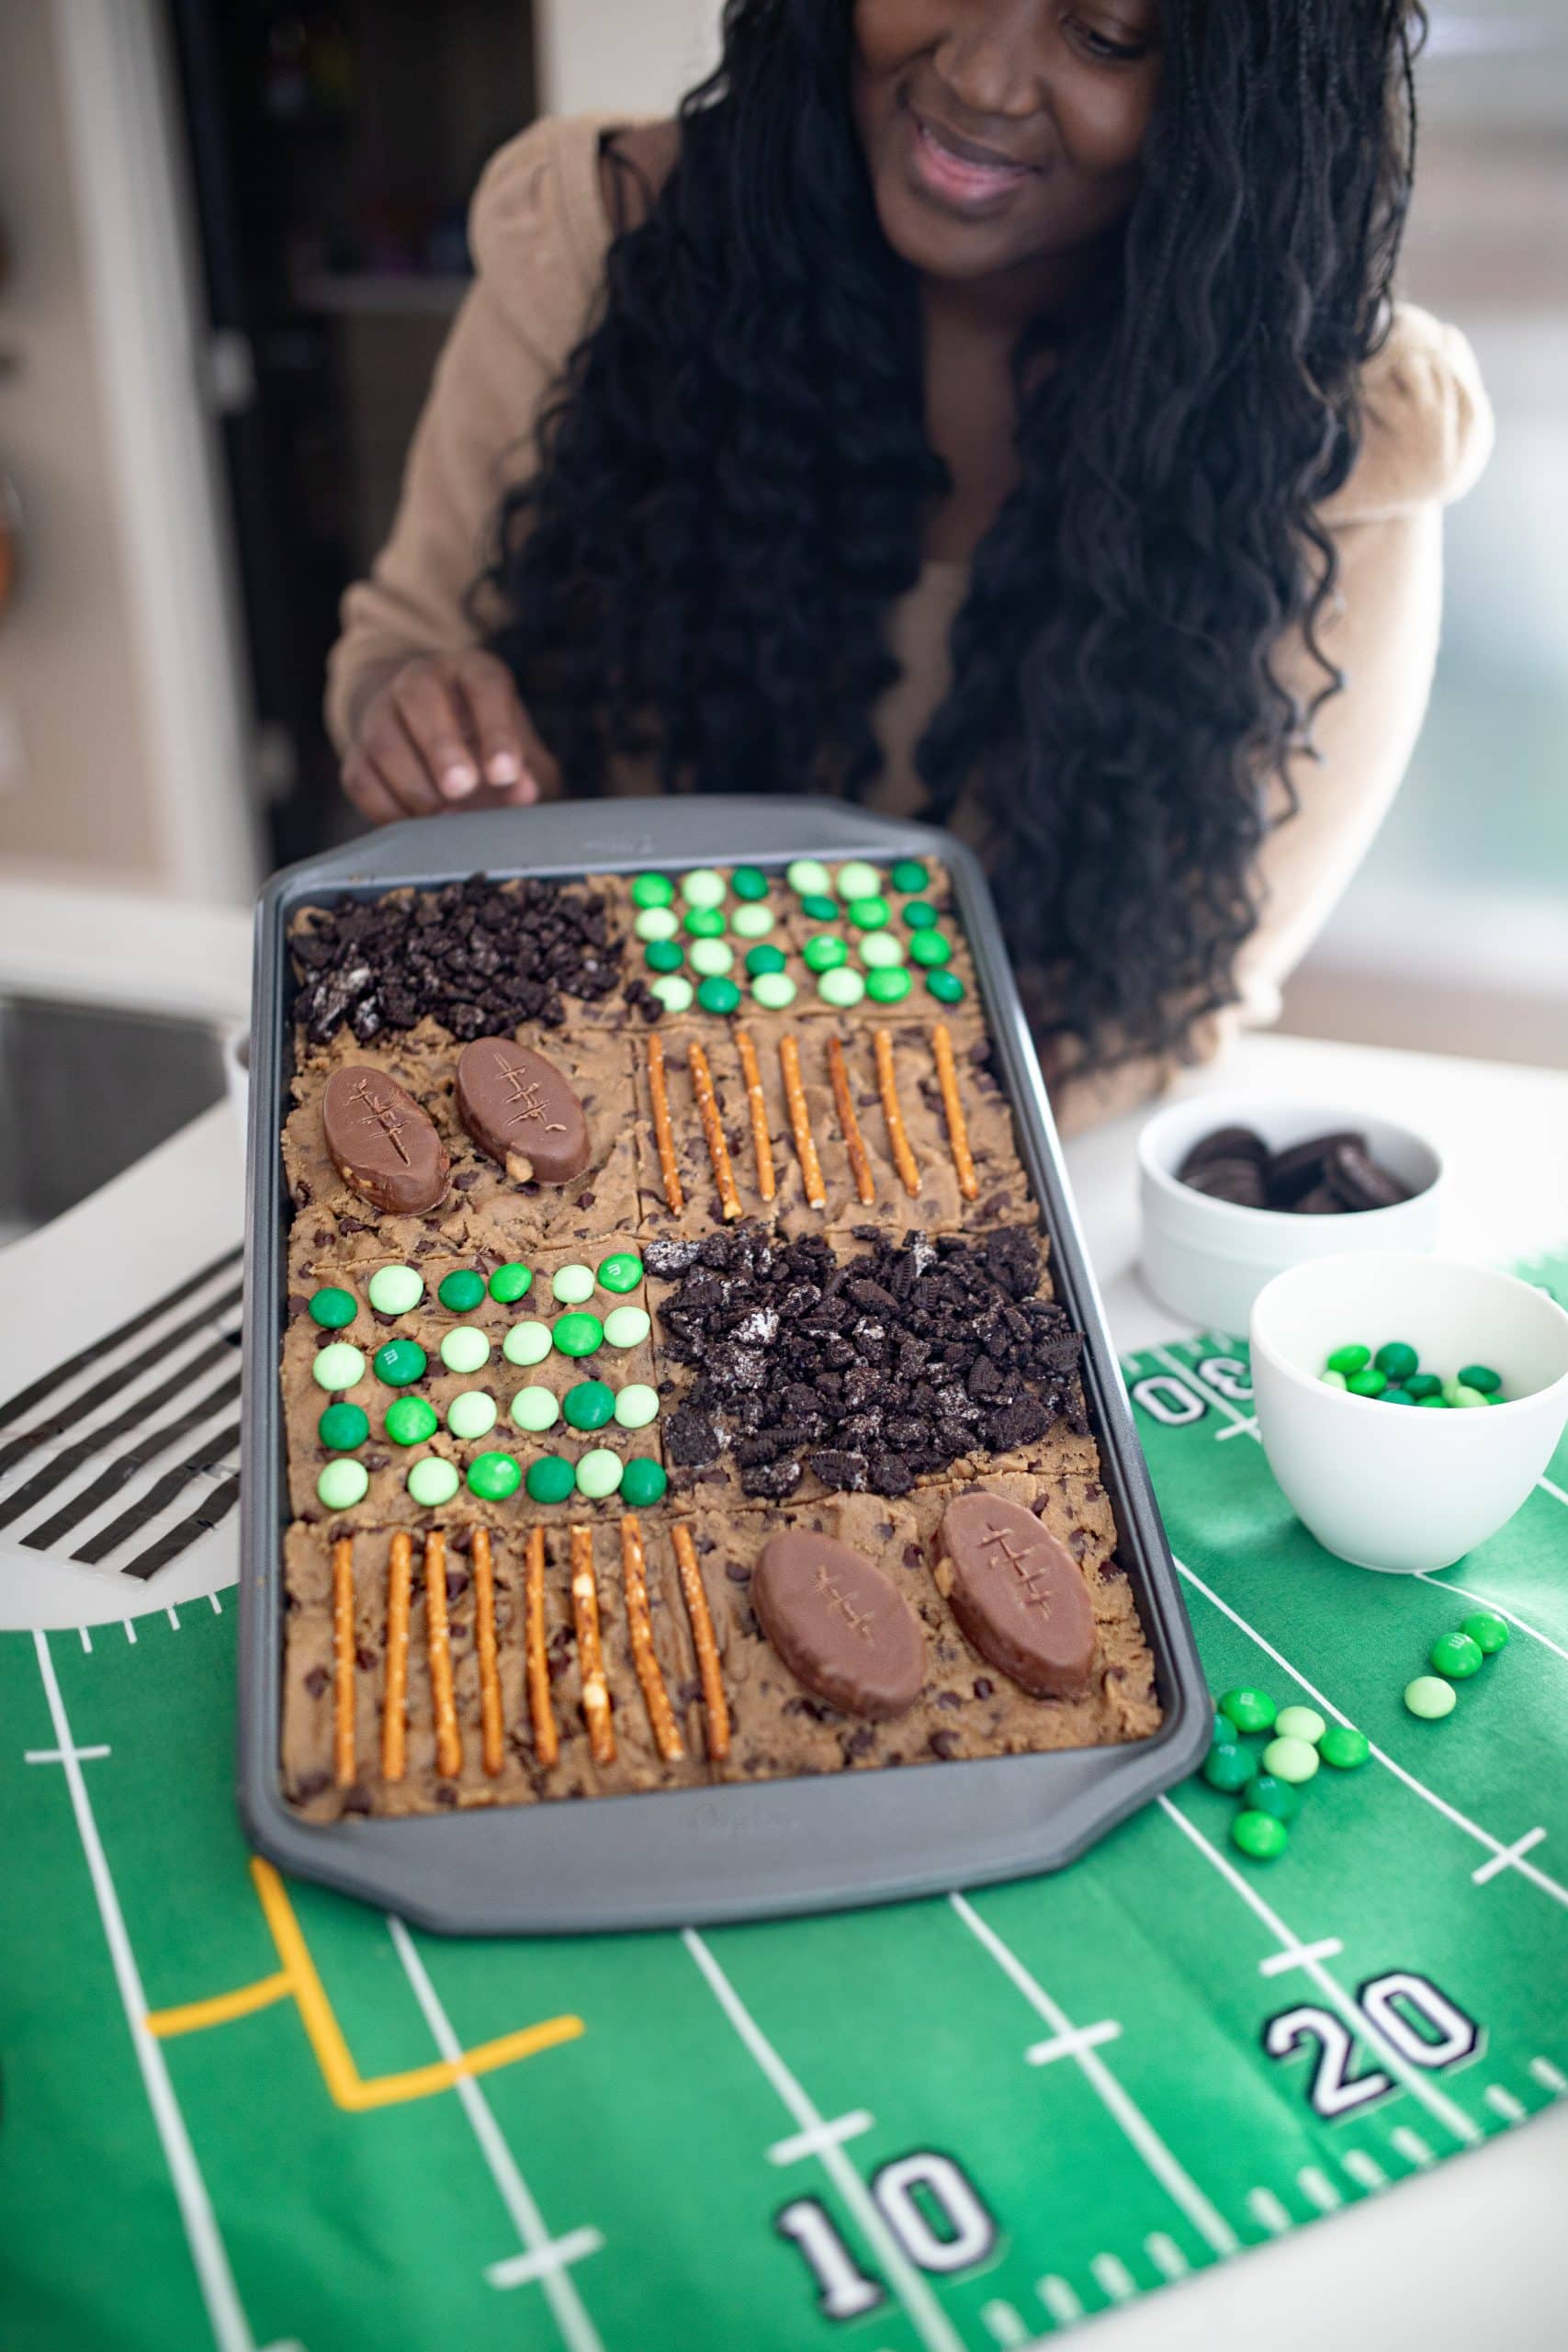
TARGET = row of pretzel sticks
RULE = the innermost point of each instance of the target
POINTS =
(597, 1709)
(800, 1117)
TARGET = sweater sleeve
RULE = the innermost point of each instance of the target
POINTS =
(1428, 434)
(538, 262)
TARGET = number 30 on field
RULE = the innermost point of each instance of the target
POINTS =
(932, 2211)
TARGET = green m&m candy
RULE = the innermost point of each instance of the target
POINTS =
(1300, 1723)
(673, 990)
(643, 1483)
(339, 1366)
(1345, 1747)
(635, 1405)
(599, 1474)
(578, 1335)
(765, 959)
(1228, 1767)
(655, 924)
(625, 1327)
(550, 1479)
(527, 1342)
(1481, 1377)
(1467, 1399)
(1457, 1658)
(393, 1290)
(509, 1283)
(432, 1482)
(909, 874)
(719, 995)
(704, 923)
(333, 1308)
(343, 1484)
(842, 988)
(1264, 1794)
(748, 882)
(1489, 1633)
(620, 1273)
(664, 956)
(1422, 1384)
(1430, 1698)
(1290, 1759)
(573, 1285)
(824, 952)
(928, 947)
(773, 990)
(752, 922)
(888, 987)
(946, 986)
(400, 1363)
(1333, 1380)
(1262, 1837)
(342, 1426)
(820, 910)
(471, 1414)
(1396, 1396)
(465, 1349)
(856, 879)
(590, 1405)
(879, 950)
(535, 1409)
(462, 1291)
(1249, 1710)
(703, 888)
(868, 914)
(713, 959)
(652, 890)
(919, 915)
(1397, 1359)
(1368, 1382)
(410, 1420)
(809, 876)
(1348, 1360)
(494, 1477)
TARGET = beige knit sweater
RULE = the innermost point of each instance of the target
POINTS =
(539, 234)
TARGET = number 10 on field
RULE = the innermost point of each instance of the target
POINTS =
(931, 2209)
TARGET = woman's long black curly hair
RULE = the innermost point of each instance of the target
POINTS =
(734, 478)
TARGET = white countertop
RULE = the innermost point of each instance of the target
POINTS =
(1463, 2254)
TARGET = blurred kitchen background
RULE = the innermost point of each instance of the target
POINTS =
(230, 242)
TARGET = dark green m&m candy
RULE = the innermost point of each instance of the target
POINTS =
(765, 959)
(509, 1283)
(1422, 1384)
(494, 1477)
(577, 1335)
(550, 1479)
(589, 1406)
(333, 1309)
(643, 1483)
(462, 1291)
(410, 1421)
(664, 955)
(920, 914)
(398, 1363)
(1398, 1360)
(342, 1426)
(946, 986)
(748, 882)
(909, 874)
(719, 995)
(1264, 1794)
(1228, 1767)
(820, 908)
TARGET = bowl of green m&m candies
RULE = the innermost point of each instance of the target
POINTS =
(1408, 1404)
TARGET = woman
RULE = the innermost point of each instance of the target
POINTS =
(992, 411)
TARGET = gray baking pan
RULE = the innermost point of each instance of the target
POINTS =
(690, 1856)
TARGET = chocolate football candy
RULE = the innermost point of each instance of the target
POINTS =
(382, 1145)
(519, 1109)
(839, 1624)
(1017, 1594)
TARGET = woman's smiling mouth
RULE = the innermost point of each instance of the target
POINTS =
(958, 172)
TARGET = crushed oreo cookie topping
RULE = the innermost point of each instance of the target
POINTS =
(478, 957)
(871, 1373)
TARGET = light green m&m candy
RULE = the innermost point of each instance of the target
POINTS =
(599, 1473)
(1300, 1723)
(433, 1482)
(472, 1414)
(343, 1484)
(673, 990)
(881, 950)
(752, 922)
(465, 1349)
(809, 877)
(527, 1342)
(1430, 1697)
(394, 1289)
(573, 1285)
(1290, 1759)
(656, 923)
(625, 1327)
(703, 888)
(858, 880)
(773, 990)
(339, 1366)
(712, 958)
(842, 988)
(535, 1409)
(635, 1405)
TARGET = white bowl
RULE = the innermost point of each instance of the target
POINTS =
(1389, 1486)
(1207, 1260)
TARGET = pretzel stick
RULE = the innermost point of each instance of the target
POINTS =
(494, 1754)
(668, 1169)
(394, 1709)
(589, 1656)
(697, 1599)
(437, 1636)
(800, 1123)
(713, 1128)
(761, 1141)
(546, 1746)
(344, 1646)
(903, 1158)
(958, 1132)
(640, 1624)
(860, 1167)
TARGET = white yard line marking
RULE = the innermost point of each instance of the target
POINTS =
(130, 1632)
(1072, 2045)
(217, 1604)
(1004, 2326)
(1411, 2146)
(1364, 2169)
(1507, 1857)
(1440, 1804)
(86, 1639)
(1113, 2277)
(1059, 2301)
(1318, 2189)
(1268, 2211)
(544, 2258)
(1178, 2184)
(930, 2323)
(57, 1756)
(1436, 2102)
(1238, 1429)
(1194, 1379)
(1553, 1488)
(831, 2135)
(1551, 2078)
(1484, 1600)
(173, 1617)
(225, 2312)
(1275, 1963)
(1504, 2103)
(1166, 2255)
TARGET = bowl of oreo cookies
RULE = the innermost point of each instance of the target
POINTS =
(1234, 1189)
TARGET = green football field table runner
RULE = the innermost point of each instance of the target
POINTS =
(246, 2112)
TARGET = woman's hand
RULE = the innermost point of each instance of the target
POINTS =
(444, 731)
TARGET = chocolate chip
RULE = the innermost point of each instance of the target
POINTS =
(317, 1682)
(943, 1744)
(310, 1784)
(984, 1686)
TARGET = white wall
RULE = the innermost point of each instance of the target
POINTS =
(599, 56)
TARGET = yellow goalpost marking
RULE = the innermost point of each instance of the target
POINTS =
(298, 1980)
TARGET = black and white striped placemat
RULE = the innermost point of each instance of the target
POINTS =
(86, 1466)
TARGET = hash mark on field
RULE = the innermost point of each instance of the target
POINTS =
(57, 1756)
(520, 2269)
(1508, 1856)
(1268, 2211)
(1364, 2169)
(1318, 2189)
(1504, 2103)
(1072, 2044)
(1172, 2176)
(1274, 1964)
(1059, 2301)
(1113, 2277)
(1551, 2078)
(929, 2322)
(1410, 2145)
(827, 2135)
(1166, 2255)
(1440, 1804)
(1004, 2326)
